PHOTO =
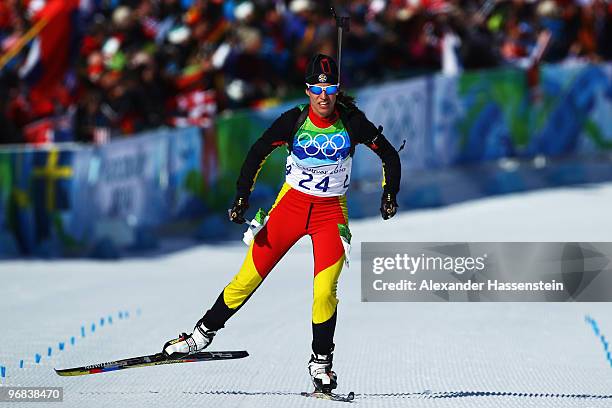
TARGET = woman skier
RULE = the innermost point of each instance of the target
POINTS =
(320, 139)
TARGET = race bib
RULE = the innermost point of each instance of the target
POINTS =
(324, 181)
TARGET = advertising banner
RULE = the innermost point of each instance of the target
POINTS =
(62, 199)
(129, 180)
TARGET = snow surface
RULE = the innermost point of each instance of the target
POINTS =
(390, 354)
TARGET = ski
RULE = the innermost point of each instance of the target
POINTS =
(150, 360)
(330, 396)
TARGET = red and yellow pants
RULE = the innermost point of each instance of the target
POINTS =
(294, 215)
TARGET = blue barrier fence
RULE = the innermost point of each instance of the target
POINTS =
(78, 200)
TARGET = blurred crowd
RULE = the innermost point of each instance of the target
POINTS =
(142, 64)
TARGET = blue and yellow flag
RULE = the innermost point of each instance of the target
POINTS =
(51, 184)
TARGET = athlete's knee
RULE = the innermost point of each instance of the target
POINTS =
(240, 288)
(237, 288)
(326, 295)
(324, 305)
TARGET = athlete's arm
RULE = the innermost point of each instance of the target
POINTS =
(276, 135)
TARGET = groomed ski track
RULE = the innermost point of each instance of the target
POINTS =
(390, 354)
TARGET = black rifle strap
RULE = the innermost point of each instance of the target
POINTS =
(298, 124)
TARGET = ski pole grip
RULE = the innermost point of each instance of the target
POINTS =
(342, 22)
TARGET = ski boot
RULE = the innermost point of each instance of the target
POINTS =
(187, 344)
(320, 369)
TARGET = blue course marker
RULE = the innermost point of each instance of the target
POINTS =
(60, 346)
(2, 371)
(110, 320)
(82, 331)
(20, 363)
(72, 340)
(101, 321)
(121, 315)
(37, 358)
(93, 327)
(601, 337)
(49, 351)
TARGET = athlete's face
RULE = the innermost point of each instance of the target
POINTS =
(322, 104)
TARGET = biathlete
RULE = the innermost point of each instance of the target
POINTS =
(320, 138)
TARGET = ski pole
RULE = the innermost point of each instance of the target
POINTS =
(343, 24)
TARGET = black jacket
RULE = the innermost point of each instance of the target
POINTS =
(281, 132)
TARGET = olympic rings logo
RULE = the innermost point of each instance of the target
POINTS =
(327, 145)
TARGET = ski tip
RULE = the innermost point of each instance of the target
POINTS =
(70, 373)
(240, 353)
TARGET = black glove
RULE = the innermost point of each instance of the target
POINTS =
(236, 213)
(388, 205)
